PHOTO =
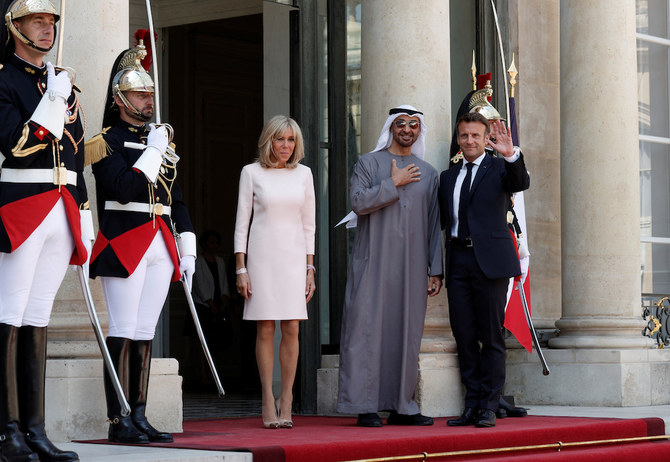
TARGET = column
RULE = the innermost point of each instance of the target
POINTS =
(406, 60)
(600, 204)
(90, 47)
(600, 357)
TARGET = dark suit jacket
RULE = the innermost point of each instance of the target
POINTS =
(487, 213)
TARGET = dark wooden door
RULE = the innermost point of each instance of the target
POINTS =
(214, 83)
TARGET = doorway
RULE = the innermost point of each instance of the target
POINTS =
(215, 103)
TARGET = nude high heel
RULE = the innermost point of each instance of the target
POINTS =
(272, 424)
(283, 423)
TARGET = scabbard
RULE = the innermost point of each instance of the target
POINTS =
(201, 336)
(529, 321)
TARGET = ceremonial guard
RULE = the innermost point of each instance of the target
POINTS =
(135, 253)
(45, 223)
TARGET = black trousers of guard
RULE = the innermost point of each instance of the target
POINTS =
(477, 314)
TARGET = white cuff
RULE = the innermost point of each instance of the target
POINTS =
(149, 163)
(50, 114)
(86, 219)
(515, 156)
(187, 245)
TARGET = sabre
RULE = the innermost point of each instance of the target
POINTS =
(198, 327)
(171, 155)
(502, 58)
(154, 64)
(106, 358)
(524, 302)
(529, 321)
(59, 52)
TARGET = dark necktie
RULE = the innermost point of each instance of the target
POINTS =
(464, 201)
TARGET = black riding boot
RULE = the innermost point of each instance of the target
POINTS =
(121, 428)
(140, 366)
(13, 445)
(31, 375)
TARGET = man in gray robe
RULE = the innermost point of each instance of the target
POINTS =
(396, 264)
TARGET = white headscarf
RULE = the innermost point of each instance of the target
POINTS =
(385, 138)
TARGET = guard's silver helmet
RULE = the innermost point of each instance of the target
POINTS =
(22, 8)
(479, 102)
(131, 76)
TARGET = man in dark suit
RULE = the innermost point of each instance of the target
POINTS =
(480, 258)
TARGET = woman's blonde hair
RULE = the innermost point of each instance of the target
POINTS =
(274, 128)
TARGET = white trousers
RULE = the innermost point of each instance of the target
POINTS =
(134, 303)
(31, 275)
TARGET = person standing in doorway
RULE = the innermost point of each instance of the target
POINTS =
(274, 254)
(211, 296)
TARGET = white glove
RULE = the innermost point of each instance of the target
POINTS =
(88, 244)
(158, 138)
(187, 244)
(150, 161)
(86, 220)
(187, 268)
(51, 110)
(58, 85)
(87, 235)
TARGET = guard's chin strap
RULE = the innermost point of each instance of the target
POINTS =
(16, 33)
(130, 107)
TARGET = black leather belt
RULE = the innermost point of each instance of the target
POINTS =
(467, 242)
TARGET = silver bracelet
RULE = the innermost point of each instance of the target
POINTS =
(240, 271)
(311, 267)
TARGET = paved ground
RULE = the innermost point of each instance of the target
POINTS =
(618, 412)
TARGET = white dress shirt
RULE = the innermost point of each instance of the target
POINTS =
(461, 177)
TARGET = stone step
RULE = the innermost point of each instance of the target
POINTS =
(115, 453)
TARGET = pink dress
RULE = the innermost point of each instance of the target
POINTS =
(280, 237)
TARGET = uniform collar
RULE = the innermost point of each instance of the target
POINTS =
(27, 68)
(135, 130)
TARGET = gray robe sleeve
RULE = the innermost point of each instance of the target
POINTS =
(369, 193)
(434, 234)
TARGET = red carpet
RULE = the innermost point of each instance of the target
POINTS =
(337, 439)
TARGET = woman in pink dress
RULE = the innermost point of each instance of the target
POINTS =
(274, 255)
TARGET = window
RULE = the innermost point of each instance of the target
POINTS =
(653, 56)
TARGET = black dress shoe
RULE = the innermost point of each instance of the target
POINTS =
(13, 445)
(467, 418)
(371, 419)
(45, 449)
(154, 435)
(517, 412)
(417, 420)
(511, 410)
(487, 418)
(122, 430)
